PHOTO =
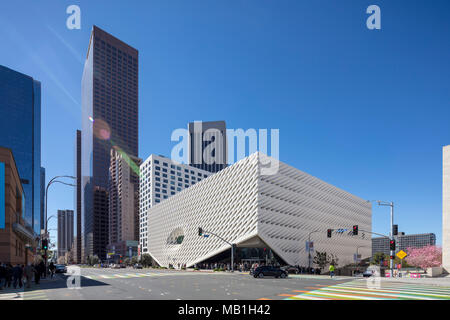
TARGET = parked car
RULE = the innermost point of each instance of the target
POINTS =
(264, 271)
(137, 266)
(60, 268)
(115, 266)
(368, 273)
(291, 269)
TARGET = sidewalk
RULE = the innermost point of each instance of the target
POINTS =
(439, 281)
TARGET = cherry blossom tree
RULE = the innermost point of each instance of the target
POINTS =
(425, 257)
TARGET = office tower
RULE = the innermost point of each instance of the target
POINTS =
(65, 231)
(123, 198)
(79, 221)
(446, 208)
(403, 242)
(109, 118)
(20, 130)
(17, 239)
(42, 212)
(160, 179)
(208, 145)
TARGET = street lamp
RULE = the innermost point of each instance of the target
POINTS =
(391, 232)
(53, 180)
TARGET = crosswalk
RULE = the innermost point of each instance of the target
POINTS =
(133, 275)
(358, 290)
(20, 294)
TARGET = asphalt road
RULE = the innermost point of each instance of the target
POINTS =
(122, 284)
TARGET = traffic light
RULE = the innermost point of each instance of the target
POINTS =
(392, 244)
(355, 230)
(200, 231)
(395, 229)
(329, 233)
(392, 257)
(44, 244)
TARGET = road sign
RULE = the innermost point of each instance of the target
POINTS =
(402, 254)
(356, 257)
(309, 246)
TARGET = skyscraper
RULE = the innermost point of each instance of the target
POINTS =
(446, 208)
(65, 231)
(79, 220)
(20, 130)
(208, 145)
(123, 198)
(109, 118)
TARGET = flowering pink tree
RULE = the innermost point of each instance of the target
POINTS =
(425, 257)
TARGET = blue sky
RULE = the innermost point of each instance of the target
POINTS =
(365, 110)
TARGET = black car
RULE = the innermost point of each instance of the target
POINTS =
(60, 268)
(291, 269)
(268, 271)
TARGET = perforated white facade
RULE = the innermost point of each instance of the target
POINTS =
(253, 210)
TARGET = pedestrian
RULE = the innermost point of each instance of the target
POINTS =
(2, 275)
(42, 269)
(37, 273)
(17, 276)
(28, 273)
(52, 269)
(9, 274)
(331, 269)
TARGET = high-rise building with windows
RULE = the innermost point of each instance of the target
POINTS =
(161, 178)
(65, 231)
(20, 131)
(109, 119)
(208, 145)
(403, 242)
(123, 198)
(79, 219)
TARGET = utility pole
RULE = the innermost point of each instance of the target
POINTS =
(391, 233)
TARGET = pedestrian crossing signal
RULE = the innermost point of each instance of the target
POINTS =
(355, 230)
(329, 233)
(200, 231)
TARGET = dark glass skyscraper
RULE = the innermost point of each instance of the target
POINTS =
(202, 154)
(20, 131)
(109, 118)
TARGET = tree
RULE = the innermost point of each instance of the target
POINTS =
(378, 257)
(334, 259)
(321, 259)
(127, 261)
(91, 260)
(146, 260)
(134, 260)
(425, 257)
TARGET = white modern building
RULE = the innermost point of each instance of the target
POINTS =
(161, 178)
(253, 210)
(446, 208)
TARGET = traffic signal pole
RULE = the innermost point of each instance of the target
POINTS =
(201, 231)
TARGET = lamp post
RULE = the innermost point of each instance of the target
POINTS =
(391, 232)
(53, 180)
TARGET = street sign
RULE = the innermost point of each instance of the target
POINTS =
(356, 257)
(402, 254)
(309, 246)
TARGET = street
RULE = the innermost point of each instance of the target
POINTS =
(150, 284)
